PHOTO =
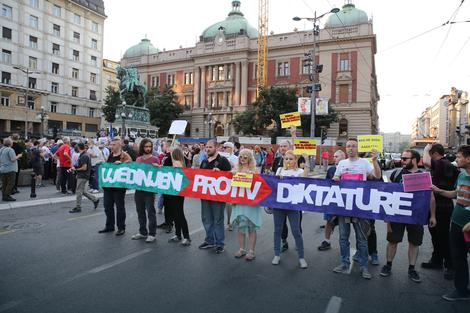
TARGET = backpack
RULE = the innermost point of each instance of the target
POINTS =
(396, 176)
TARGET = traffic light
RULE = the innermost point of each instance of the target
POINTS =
(324, 134)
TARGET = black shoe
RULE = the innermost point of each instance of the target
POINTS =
(285, 246)
(75, 210)
(431, 265)
(457, 296)
(162, 225)
(206, 245)
(95, 204)
(325, 245)
(414, 276)
(9, 198)
(448, 274)
(219, 250)
(168, 230)
(120, 232)
(386, 271)
(15, 191)
(106, 230)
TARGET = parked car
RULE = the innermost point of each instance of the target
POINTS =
(386, 162)
(396, 157)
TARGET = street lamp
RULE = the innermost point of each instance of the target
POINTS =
(124, 115)
(316, 32)
(42, 115)
(209, 122)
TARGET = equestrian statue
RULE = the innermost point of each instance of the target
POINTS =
(129, 82)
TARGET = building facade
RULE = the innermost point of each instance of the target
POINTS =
(216, 79)
(393, 142)
(108, 79)
(52, 50)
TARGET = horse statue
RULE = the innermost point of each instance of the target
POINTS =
(129, 81)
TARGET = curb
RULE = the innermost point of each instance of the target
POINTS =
(22, 204)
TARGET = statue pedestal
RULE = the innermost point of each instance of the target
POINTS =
(138, 122)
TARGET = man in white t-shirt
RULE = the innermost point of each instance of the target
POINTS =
(355, 168)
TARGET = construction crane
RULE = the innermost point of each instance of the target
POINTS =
(262, 69)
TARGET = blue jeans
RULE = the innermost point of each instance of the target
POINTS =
(294, 221)
(212, 215)
(160, 202)
(94, 178)
(361, 242)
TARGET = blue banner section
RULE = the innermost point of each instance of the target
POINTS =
(364, 199)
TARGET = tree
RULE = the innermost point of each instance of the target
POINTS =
(163, 108)
(111, 102)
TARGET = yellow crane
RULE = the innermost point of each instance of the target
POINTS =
(262, 69)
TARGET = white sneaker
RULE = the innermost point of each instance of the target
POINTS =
(276, 260)
(186, 242)
(150, 239)
(95, 191)
(303, 264)
(138, 236)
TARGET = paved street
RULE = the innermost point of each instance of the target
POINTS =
(53, 261)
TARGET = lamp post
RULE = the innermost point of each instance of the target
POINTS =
(27, 71)
(313, 69)
(209, 122)
(124, 115)
(42, 116)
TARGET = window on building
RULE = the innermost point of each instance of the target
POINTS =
(91, 128)
(94, 44)
(214, 73)
(53, 107)
(31, 102)
(55, 68)
(283, 69)
(75, 73)
(33, 63)
(74, 126)
(188, 78)
(229, 72)
(34, 3)
(213, 99)
(305, 67)
(93, 77)
(91, 112)
(77, 19)
(76, 37)
(188, 100)
(155, 81)
(6, 33)
(221, 72)
(33, 42)
(170, 79)
(6, 56)
(4, 100)
(33, 21)
(92, 94)
(94, 60)
(56, 30)
(55, 87)
(6, 77)
(74, 109)
(343, 127)
(94, 26)
(75, 55)
(6, 11)
(343, 93)
(32, 83)
(56, 10)
(55, 49)
(220, 99)
(74, 91)
(344, 65)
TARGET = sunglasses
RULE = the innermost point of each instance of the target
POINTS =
(244, 157)
(404, 159)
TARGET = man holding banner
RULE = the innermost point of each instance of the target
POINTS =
(355, 168)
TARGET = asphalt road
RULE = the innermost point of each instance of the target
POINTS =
(53, 261)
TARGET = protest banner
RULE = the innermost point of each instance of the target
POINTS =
(243, 180)
(363, 199)
(417, 181)
(369, 143)
(308, 147)
(290, 119)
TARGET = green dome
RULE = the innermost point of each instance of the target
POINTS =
(348, 16)
(233, 24)
(142, 48)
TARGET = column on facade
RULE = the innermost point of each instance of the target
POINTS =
(196, 91)
(202, 96)
(236, 96)
(244, 89)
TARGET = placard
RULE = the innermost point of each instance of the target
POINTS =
(290, 119)
(417, 182)
(244, 180)
(304, 105)
(368, 143)
(178, 127)
(321, 107)
(308, 147)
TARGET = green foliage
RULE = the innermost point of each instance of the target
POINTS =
(163, 108)
(111, 102)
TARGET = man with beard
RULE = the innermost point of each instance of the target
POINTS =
(395, 231)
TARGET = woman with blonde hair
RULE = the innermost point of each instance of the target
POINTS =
(245, 218)
(289, 169)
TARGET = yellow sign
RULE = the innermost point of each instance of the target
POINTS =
(308, 147)
(290, 119)
(244, 180)
(368, 143)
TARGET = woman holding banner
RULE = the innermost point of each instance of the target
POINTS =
(246, 219)
(289, 169)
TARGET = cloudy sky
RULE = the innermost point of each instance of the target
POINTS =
(412, 74)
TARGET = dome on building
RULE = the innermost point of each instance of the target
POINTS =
(235, 23)
(142, 48)
(347, 16)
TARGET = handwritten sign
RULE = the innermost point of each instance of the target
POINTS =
(369, 143)
(290, 119)
(308, 147)
(244, 180)
(417, 182)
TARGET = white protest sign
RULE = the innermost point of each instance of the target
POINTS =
(177, 127)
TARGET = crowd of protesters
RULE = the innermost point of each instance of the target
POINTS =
(72, 166)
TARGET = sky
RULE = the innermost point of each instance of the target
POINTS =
(412, 73)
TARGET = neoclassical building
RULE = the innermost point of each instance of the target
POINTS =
(216, 79)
